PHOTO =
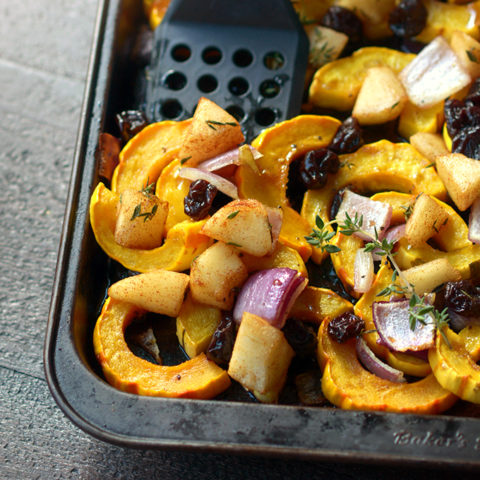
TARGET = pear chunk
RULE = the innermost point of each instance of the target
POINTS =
(140, 220)
(212, 131)
(216, 274)
(468, 51)
(430, 145)
(381, 97)
(426, 219)
(159, 291)
(260, 358)
(461, 176)
(244, 224)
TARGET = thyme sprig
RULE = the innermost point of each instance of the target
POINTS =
(137, 213)
(214, 123)
(420, 311)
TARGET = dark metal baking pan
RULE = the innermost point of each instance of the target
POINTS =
(218, 425)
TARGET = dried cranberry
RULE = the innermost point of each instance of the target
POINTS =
(345, 326)
(199, 199)
(344, 20)
(467, 142)
(315, 166)
(348, 138)
(301, 337)
(408, 18)
(221, 346)
(473, 96)
(461, 297)
(130, 122)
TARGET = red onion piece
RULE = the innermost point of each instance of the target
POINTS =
(270, 294)
(225, 159)
(363, 271)
(474, 222)
(228, 188)
(376, 215)
(374, 365)
(392, 235)
(393, 326)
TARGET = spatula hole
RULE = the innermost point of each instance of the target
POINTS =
(207, 83)
(236, 112)
(269, 88)
(211, 55)
(238, 86)
(174, 80)
(242, 58)
(265, 116)
(181, 52)
(273, 60)
(171, 109)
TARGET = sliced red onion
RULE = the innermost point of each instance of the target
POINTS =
(275, 218)
(474, 222)
(374, 365)
(434, 74)
(392, 235)
(363, 271)
(228, 188)
(376, 215)
(225, 159)
(270, 294)
(393, 326)
(459, 322)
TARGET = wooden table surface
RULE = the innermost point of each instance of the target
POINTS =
(44, 48)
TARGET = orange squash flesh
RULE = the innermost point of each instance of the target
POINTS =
(183, 242)
(454, 367)
(195, 378)
(147, 153)
(346, 384)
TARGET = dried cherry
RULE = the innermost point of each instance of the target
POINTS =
(348, 137)
(345, 326)
(221, 346)
(131, 122)
(408, 18)
(346, 21)
(301, 337)
(199, 199)
(461, 297)
(315, 165)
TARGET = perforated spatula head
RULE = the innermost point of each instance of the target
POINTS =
(248, 56)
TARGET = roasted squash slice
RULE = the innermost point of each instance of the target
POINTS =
(280, 145)
(183, 242)
(173, 189)
(454, 367)
(147, 153)
(346, 384)
(196, 378)
(414, 119)
(336, 84)
(375, 167)
(315, 304)
(405, 362)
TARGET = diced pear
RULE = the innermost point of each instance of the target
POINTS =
(381, 97)
(140, 220)
(326, 44)
(243, 224)
(461, 176)
(430, 145)
(216, 274)
(261, 357)
(426, 219)
(159, 291)
(468, 51)
(212, 131)
(430, 275)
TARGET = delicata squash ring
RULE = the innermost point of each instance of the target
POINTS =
(195, 378)
(346, 384)
(182, 244)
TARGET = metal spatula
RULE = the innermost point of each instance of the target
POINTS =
(248, 56)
